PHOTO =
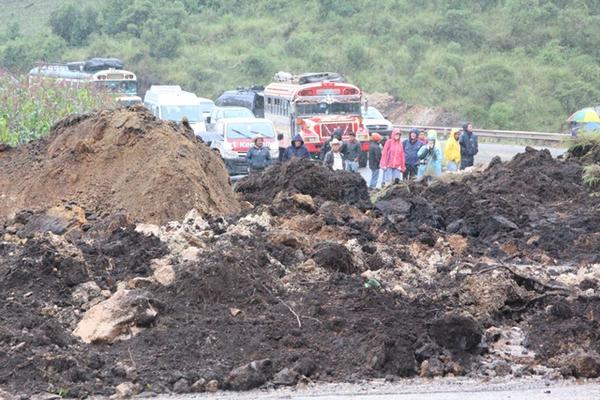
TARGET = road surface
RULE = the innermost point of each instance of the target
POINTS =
(422, 389)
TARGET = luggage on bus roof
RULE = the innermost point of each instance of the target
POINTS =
(99, 64)
(321, 77)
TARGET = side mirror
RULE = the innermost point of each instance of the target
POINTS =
(385, 117)
(208, 119)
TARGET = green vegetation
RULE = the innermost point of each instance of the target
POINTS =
(28, 112)
(509, 64)
(591, 176)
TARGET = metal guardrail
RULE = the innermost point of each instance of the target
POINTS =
(542, 136)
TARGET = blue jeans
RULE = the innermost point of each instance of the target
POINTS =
(374, 178)
(451, 166)
(352, 166)
(391, 174)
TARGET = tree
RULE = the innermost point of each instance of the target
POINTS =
(73, 23)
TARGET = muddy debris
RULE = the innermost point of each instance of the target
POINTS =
(307, 178)
(486, 275)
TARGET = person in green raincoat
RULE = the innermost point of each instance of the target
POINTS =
(430, 158)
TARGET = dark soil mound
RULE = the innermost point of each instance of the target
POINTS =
(533, 200)
(334, 256)
(305, 177)
(123, 159)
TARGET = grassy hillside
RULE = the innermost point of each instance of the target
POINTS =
(522, 64)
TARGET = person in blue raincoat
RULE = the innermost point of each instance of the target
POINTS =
(430, 156)
(296, 150)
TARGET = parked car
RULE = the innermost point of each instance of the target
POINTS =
(170, 103)
(218, 113)
(236, 137)
(250, 98)
(376, 122)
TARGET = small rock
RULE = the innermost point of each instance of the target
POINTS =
(432, 367)
(125, 390)
(199, 386)
(181, 386)
(285, 377)
(249, 376)
(502, 368)
(212, 386)
(309, 265)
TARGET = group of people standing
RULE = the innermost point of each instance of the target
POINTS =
(419, 157)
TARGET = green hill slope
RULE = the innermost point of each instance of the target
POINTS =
(522, 64)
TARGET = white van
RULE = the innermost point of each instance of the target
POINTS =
(170, 103)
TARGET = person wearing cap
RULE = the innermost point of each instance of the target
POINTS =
(452, 151)
(468, 146)
(374, 159)
(352, 152)
(336, 134)
(392, 158)
(258, 156)
(411, 149)
(296, 150)
(431, 158)
(334, 159)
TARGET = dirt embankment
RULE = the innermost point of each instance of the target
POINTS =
(126, 160)
(404, 114)
(490, 274)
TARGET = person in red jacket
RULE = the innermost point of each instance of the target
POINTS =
(392, 158)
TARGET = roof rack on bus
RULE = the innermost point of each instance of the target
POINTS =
(312, 77)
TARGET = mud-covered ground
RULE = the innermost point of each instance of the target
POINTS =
(488, 274)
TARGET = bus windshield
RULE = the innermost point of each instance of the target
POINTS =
(126, 87)
(247, 130)
(176, 113)
(327, 109)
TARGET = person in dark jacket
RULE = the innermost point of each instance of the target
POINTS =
(336, 134)
(468, 146)
(296, 150)
(281, 146)
(352, 152)
(334, 159)
(411, 151)
(258, 157)
(374, 159)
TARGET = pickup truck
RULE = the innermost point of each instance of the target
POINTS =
(235, 136)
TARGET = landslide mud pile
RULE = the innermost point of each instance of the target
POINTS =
(305, 287)
(531, 207)
(124, 159)
(304, 177)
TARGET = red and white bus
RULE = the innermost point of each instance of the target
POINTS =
(314, 105)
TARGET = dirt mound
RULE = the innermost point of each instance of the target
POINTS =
(405, 114)
(533, 204)
(124, 159)
(304, 177)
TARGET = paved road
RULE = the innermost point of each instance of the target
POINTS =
(421, 389)
(487, 151)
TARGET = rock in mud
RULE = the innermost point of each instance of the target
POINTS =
(392, 357)
(456, 332)
(109, 320)
(250, 376)
(334, 257)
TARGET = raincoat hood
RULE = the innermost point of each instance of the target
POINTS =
(297, 138)
(432, 135)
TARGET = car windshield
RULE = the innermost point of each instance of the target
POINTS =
(327, 109)
(373, 113)
(127, 87)
(248, 130)
(237, 113)
(207, 107)
(176, 113)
